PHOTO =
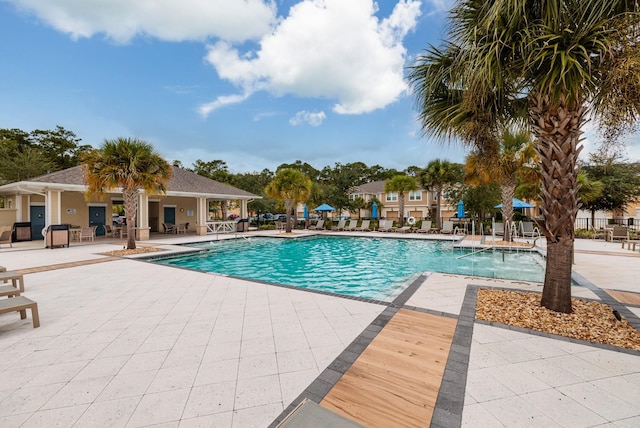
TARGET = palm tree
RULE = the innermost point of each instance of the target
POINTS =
(400, 184)
(515, 157)
(131, 165)
(436, 176)
(290, 186)
(562, 58)
(358, 203)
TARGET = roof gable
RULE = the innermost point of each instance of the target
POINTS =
(182, 181)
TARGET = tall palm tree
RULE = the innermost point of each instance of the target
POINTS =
(436, 176)
(131, 165)
(515, 157)
(563, 58)
(401, 184)
(290, 186)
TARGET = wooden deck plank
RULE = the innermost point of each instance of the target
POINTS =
(395, 381)
(625, 297)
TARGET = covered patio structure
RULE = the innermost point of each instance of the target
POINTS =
(59, 198)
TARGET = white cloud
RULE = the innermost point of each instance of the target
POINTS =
(313, 119)
(221, 101)
(171, 20)
(332, 49)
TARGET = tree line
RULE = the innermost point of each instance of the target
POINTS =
(608, 181)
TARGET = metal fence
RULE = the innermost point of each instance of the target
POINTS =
(600, 223)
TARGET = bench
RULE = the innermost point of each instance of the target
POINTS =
(630, 243)
(21, 303)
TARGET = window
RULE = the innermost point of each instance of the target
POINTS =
(392, 196)
(415, 195)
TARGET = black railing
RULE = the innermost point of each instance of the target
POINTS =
(601, 223)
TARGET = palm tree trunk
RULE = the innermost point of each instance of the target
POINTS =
(557, 128)
(401, 208)
(438, 216)
(288, 204)
(130, 198)
(508, 189)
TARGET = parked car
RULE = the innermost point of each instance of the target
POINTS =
(280, 217)
(232, 216)
(343, 217)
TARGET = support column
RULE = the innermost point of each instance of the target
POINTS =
(244, 212)
(202, 215)
(53, 207)
(143, 229)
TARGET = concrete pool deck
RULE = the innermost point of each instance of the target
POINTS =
(123, 342)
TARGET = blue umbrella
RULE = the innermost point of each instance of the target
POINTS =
(460, 209)
(324, 207)
(306, 212)
(374, 210)
(517, 203)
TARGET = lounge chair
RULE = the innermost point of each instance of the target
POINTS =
(88, 233)
(21, 304)
(318, 226)
(403, 229)
(447, 228)
(351, 226)
(498, 229)
(618, 232)
(527, 230)
(385, 226)
(340, 225)
(425, 227)
(182, 227)
(364, 227)
(5, 238)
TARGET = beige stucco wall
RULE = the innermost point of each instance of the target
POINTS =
(182, 207)
(7, 218)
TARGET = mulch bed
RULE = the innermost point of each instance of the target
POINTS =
(125, 252)
(590, 321)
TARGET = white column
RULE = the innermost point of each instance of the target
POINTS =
(244, 212)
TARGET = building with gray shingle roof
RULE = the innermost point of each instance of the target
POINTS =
(58, 198)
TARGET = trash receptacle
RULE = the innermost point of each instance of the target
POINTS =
(630, 221)
(242, 225)
(57, 235)
(21, 231)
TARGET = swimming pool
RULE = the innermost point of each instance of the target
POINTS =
(375, 268)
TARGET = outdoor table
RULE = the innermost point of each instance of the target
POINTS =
(15, 277)
(75, 233)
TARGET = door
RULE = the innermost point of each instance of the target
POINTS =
(170, 215)
(36, 214)
(97, 217)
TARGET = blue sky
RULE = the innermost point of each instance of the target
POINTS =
(255, 83)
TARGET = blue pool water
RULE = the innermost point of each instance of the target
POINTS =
(375, 268)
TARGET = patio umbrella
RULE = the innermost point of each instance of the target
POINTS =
(324, 208)
(306, 212)
(460, 209)
(374, 210)
(517, 203)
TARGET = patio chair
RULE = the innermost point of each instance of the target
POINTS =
(351, 226)
(169, 227)
(318, 226)
(528, 230)
(88, 233)
(340, 225)
(364, 227)
(425, 227)
(447, 228)
(280, 225)
(5, 238)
